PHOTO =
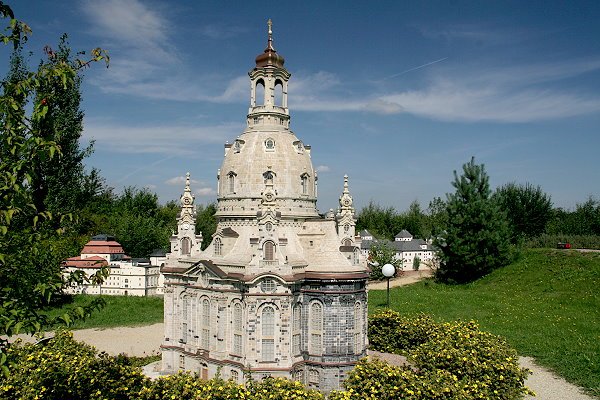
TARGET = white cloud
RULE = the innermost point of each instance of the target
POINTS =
(180, 181)
(206, 192)
(168, 139)
(322, 168)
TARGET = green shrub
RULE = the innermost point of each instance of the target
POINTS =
(477, 364)
(577, 241)
(390, 332)
(187, 386)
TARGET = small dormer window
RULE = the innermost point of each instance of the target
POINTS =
(218, 246)
(268, 176)
(237, 146)
(270, 144)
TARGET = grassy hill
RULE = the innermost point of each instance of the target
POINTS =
(547, 305)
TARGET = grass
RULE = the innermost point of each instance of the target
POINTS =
(546, 304)
(118, 311)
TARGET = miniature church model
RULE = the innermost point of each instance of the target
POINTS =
(281, 290)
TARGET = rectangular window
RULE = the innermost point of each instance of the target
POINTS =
(206, 339)
(237, 344)
(296, 344)
(315, 341)
(268, 350)
(184, 331)
(181, 361)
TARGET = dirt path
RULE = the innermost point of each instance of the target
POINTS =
(146, 340)
(407, 278)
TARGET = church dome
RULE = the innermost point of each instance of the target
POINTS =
(267, 166)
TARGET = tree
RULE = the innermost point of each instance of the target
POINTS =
(528, 208)
(378, 220)
(206, 222)
(29, 255)
(60, 182)
(476, 240)
(382, 253)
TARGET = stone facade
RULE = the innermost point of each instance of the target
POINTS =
(281, 290)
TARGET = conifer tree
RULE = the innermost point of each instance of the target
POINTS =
(476, 240)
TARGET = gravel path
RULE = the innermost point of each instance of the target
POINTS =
(146, 340)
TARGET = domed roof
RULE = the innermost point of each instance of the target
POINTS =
(269, 56)
(255, 154)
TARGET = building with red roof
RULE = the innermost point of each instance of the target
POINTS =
(127, 276)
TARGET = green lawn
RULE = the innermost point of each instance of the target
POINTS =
(118, 311)
(547, 305)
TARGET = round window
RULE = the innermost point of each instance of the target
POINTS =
(270, 144)
(269, 226)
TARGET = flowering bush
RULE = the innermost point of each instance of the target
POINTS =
(65, 369)
(469, 363)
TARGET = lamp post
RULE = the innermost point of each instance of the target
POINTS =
(388, 270)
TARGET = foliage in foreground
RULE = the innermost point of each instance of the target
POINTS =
(457, 356)
(545, 304)
(450, 361)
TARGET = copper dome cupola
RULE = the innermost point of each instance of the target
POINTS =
(269, 57)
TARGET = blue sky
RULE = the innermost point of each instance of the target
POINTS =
(395, 94)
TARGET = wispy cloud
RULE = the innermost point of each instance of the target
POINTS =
(168, 139)
(206, 191)
(322, 168)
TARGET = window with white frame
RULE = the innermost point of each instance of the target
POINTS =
(316, 328)
(235, 376)
(269, 250)
(313, 378)
(185, 246)
(267, 321)
(304, 183)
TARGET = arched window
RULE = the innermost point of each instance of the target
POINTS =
(278, 93)
(238, 324)
(267, 321)
(259, 93)
(347, 242)
(231, 182)
(296, 321)
(269, 251)
(316, 328)
(235, 376)
(206, 324)
(358, 324)
(356, 257)
(313, 378)
(218, 245)
(185, 246)
(304, 183)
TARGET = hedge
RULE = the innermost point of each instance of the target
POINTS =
(456, 355)
(447, 361)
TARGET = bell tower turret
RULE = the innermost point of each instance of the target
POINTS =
(269, 88)
(185, 242)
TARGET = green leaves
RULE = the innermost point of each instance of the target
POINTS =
(476, 239)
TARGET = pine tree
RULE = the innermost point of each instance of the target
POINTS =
(476, 240)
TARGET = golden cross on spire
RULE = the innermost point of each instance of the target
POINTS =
(270, 25)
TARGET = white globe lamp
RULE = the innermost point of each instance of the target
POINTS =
(388, 270)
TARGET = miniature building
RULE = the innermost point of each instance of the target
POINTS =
(127, 276)
(406, 249)
(281, 290)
